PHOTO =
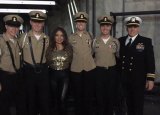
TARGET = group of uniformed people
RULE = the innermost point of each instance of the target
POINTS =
(35, 68)
(23, 68)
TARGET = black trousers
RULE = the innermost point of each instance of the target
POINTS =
(119, 104)
(12, 94)
(106, 85)
(83, 85)
(134, 86)
(59, 86)
(37, 89)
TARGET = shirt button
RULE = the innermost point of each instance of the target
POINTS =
(131, 57)
(122, 67)
(122, 61)
(130, 69)
(131, 64)
(123, 56)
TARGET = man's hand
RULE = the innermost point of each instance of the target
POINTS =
(149, 85)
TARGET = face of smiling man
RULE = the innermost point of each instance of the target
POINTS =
(11, 31)
(105, 29)
(81, 26)
(132, 30)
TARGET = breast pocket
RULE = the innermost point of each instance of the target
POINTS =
(140, 54)
(6, 51)
(26, 45)
(74, 44)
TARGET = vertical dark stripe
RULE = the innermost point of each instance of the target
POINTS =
(87, 10)
(123, 10)
(113, 33)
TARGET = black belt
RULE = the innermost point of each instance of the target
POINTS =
(2, 72)
(107, 68)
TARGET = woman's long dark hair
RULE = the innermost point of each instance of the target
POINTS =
(52, 43)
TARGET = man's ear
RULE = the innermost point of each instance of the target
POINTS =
(6, 26)
(31, 22)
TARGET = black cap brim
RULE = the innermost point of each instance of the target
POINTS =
(35, 20)
(105, 23)
(14, 24)
(133, 24)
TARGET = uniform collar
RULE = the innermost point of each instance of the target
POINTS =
(133, 38)
(106, 38)
(84, 32)
(30, 33)
(109, 38)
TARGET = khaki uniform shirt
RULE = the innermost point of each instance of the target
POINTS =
(82, 52)
(5, 57)
(105, 53)
(37, 46)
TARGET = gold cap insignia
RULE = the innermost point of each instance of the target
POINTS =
(81, 16)
(105, 19)
(37, 15)
(14, 19)
(133, 19)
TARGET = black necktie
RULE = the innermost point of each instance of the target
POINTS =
(129, 43)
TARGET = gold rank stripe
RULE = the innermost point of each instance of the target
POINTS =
(151, 75)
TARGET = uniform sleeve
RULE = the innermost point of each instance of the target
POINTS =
(150, 61)
(70, 53)
(91, 35)
(21, 39)
(0, 58)
(94, 44)
(70, 40)
(0, 52)
(1, 47)
(114, 46)
(117, 48)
